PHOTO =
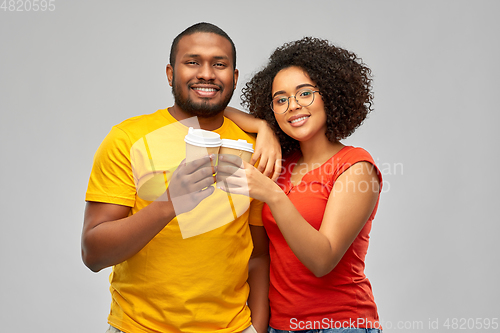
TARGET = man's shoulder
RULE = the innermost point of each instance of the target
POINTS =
(231, 131)
(145, 120)
(139, 126)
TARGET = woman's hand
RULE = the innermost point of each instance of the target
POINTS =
(236, 176)
(268, 149)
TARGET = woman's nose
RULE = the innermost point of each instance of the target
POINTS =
(293, 104)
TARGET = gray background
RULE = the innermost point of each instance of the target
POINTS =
(67, 76)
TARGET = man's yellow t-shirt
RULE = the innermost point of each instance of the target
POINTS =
(192, 276)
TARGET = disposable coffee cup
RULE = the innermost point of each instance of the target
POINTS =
(240, 148)
(200, 143)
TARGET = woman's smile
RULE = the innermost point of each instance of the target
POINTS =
(299, 120)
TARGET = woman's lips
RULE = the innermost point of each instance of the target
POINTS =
(298, 120)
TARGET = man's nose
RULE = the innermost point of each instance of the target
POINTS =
(206, 72)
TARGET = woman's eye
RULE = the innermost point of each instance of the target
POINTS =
(305, 93)
(281, 100)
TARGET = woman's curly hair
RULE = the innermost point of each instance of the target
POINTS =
(342, 78)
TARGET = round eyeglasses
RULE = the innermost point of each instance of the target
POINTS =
(304, 98)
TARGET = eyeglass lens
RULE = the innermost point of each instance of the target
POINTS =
(303, 97)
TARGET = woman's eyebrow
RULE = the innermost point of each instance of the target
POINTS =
(305, 85)
(298, 87)
(278, 92)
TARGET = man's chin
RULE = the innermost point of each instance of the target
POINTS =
(204, 113)
(203, 110)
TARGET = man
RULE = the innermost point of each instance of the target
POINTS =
(164, 279)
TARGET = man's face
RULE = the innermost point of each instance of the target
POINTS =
(203, 78)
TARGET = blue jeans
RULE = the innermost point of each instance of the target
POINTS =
(330, 330)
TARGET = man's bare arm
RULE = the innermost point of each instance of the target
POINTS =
(110, 235)
(258, 279)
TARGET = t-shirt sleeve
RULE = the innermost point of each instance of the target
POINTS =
(255, 213)
(111, 179)
(353, 156)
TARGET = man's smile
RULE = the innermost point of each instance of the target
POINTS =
(204, 90)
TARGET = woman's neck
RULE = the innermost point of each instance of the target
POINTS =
(319, 150)
(314, 154)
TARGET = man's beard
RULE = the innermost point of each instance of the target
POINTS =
(203, 109)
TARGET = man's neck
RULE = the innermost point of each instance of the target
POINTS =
(209, 124)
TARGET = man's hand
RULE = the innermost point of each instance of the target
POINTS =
(190, 184)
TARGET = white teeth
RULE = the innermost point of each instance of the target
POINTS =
(298, 119)
(206, 89)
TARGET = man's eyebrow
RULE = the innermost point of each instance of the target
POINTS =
(297, 87)
(194, 55)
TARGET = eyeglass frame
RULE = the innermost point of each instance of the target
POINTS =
(296, 100)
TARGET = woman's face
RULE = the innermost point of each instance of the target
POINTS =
(302, 123)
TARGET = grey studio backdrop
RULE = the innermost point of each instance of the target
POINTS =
(69, 74)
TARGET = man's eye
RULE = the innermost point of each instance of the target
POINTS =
(220, 65)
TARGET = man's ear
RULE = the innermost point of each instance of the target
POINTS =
(235, 77)
(170, 74)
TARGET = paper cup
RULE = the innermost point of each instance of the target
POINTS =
(240, 148)
(200, 143)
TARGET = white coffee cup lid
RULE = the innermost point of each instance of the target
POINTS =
(202, 138)
(237, 144)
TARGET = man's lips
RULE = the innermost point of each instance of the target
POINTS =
(205, 90)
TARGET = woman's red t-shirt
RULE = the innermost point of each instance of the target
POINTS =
(343, 297)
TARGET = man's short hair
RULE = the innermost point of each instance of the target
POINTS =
(200, 27)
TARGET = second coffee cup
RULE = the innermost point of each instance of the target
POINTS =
(240, 148)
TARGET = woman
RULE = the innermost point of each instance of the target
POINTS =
(319, 214)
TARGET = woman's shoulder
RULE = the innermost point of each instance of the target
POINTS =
(344, 159)
(353, 154)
